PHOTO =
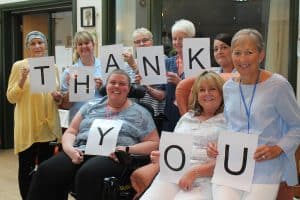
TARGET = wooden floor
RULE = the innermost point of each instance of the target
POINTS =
(9, 189)
(8, 176)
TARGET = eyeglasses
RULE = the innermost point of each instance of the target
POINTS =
(245, 53)
(143, 40)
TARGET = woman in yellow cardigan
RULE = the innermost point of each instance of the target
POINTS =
(36, 119)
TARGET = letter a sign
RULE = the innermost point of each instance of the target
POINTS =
(235, 163)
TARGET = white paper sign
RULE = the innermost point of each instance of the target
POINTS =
(103, 137)
(151, 63)
(111, 58)
(64, 118)
(42, 74)
(235, 163)
(82, 84)
(175, 153)
(196, 55)
(63, 57)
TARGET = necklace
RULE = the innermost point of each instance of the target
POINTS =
(248, 109)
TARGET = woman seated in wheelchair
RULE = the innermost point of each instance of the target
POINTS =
(204, 120)
(137, 135)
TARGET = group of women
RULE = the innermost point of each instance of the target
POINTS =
(257, 102)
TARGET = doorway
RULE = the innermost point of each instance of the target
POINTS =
(19, 19)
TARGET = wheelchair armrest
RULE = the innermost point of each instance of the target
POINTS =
(132, 161)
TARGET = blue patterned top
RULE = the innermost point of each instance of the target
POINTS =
(137, 122)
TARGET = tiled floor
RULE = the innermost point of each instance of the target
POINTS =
(8, 176)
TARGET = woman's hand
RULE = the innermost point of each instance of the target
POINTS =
(114, 157)
(154, 156)
(75, 154)
(137, 79)
(128, 57)
(173, 78)
(212, 150)
(98, 83)
(266, 152)
(57, 96)
(24, 71)
(186, 181)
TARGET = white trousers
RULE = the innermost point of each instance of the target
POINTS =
(258, 192)
(162, 190)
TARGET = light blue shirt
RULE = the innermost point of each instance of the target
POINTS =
(65, 87)
(274, 117)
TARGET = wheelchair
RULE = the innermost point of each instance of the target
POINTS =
(121, 188)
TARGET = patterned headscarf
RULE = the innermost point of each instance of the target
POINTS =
(35, 35)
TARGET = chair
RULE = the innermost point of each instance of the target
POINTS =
(289, 192)
(121, 189)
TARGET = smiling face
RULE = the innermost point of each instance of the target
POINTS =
(117, 88)
(209, 96)
(143, 40)
(246, 57)
(222, 53)
(37, 48)
(177, 38)
(85, 48)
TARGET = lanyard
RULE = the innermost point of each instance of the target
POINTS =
(251, 100)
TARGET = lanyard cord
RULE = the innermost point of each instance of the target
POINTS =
(251, 100)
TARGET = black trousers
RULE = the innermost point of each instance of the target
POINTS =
(37, 153)
(55, 177)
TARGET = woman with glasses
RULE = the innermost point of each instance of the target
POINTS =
(155, 94)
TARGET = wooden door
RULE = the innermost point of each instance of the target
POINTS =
(37, 22)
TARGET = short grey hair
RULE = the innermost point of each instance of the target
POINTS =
(253, 34)
(185, 26)
(142, 31)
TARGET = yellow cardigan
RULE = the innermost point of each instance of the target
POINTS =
(36, 117)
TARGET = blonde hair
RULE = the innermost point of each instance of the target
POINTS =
(253, 34)
(214, 79)
(81, 36)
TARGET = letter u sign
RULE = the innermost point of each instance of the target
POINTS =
(244, 163)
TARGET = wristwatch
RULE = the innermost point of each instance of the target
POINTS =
(127, 149)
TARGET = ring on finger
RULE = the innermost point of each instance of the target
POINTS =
(264, 157)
